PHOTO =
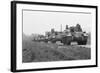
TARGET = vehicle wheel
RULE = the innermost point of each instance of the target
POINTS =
(80, 43)
(53, 41)
(45, 41)
(84, 42)
(68, 43)
(66, 40)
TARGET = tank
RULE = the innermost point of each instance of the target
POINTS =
(69, 35)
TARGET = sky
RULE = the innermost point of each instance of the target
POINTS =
(38, 22)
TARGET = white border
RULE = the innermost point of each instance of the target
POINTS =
(35, 65)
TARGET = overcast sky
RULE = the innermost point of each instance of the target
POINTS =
(38, 22)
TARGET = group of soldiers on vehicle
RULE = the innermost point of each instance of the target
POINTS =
(70, 34)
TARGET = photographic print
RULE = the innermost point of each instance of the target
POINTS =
(56, 36)
(53, 36)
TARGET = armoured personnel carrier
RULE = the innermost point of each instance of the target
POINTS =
(70, 34)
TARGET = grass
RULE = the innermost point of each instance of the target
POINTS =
(43, 52)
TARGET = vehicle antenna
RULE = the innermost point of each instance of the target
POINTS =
(61, 27)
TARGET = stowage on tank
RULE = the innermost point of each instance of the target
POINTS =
(70, 34)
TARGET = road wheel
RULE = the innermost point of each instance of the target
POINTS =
(53, 41)
(84, 42)
(80, 42)
(66, 41)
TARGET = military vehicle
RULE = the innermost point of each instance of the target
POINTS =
(69, 35)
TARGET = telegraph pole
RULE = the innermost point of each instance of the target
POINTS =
(61, 27)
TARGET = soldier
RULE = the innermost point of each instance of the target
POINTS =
(67, 29)
(78, 28)
(72, 29)
(66, 26)
(52, 31)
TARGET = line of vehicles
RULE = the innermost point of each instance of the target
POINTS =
(69, 35)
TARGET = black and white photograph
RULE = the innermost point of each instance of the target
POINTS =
(54, 36)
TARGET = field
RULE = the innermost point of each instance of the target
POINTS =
(43, 52)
